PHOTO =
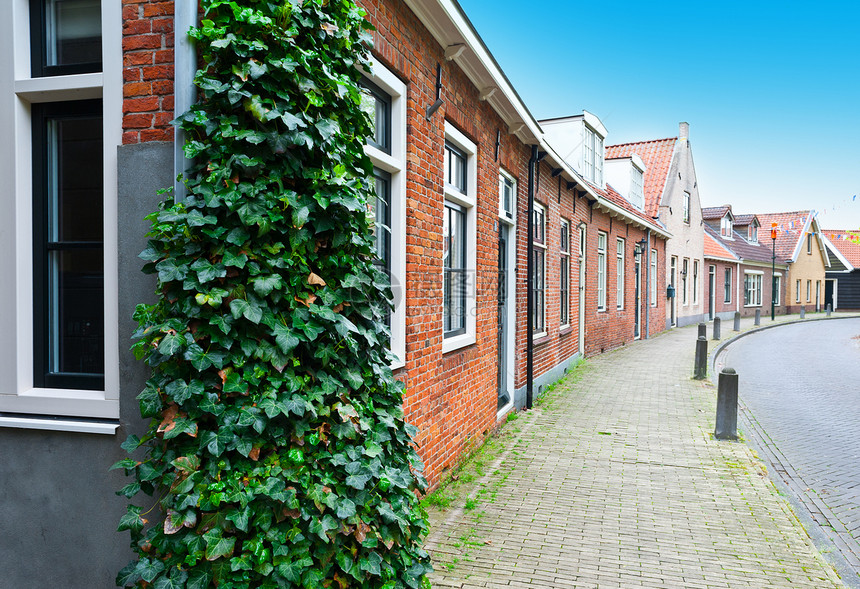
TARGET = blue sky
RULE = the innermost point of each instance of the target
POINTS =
(771, 90)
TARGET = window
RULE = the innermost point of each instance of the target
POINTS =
(593, 157)
(460, 228)
(619, 273)
(601, 271)
(777, 288)
(68, 254)
(564, 274)
(507, 197)
(687, 207)
(726, 226)
(637, 191)
(727, 296)
(685, 266)
(808, 291)
(797, 292)
(752, 289)
(384, 100)
(454, 249)
(809, 244)
(695, 282)
(539, 269)
(753, 232)
(653, 278)
(65, 37)
(817, 293)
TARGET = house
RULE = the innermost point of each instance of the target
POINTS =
(743, 275)
(799, 242)
(671, 196)
(842, 279)
(461, 146)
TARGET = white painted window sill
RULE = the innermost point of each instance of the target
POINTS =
(58, 424)
(458, 341)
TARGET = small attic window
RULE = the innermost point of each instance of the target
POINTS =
(637, 191)
(726, 226)
(593, 156)
(752, 233)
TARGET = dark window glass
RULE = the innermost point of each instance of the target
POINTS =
(454, 263)
(65, 37)
(381, 208)
(377, 104)
(68, 251)
(455, 168)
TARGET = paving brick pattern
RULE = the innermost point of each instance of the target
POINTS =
(799, 387)
(617, 482)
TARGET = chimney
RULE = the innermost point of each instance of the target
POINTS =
(684, 131)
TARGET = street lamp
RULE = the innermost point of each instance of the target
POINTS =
(773, 274)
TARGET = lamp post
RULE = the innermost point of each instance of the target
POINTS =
(773, 274)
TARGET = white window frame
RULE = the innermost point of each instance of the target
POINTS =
(686, 207)
(695, 285)
(727, 227)
(592, 155)
(778, 288)
(564, 269)
(468, 201)
(619, 271)
(685, 271)
(727, 285)
(653, 277)
(20, 90)
(755, 292)
(637, 188)
(797, 292)
(507, 181)
(539, 245)
(602, 238)
(395, 164)
(809, 291)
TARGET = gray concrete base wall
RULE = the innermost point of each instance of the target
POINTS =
(58, 507)
(544, 380)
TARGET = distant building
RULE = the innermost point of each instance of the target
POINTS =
(842, 279)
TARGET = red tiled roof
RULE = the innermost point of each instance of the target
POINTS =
(743, 249)
(744, 220)
(714, 249)
(657, 155)
(615, 198)
(789, 230)
(709, 213)
(848, 247)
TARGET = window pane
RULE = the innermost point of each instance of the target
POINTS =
(455, 280)
(75, 179)
(377, 105)
(456, 164)
(76, 311)
(71, 33)
(382, 212)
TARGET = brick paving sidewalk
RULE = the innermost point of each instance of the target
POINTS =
(615, 481)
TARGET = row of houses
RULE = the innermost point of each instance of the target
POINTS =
(516, 247)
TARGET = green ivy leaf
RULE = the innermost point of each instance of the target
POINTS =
(242, 308)
(148, 569)
(199, 579)
(217, 546)
(171, 343)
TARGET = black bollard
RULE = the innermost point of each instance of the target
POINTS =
(703, 330)
(803, 312)
(758, 317)
(727, 406)
(717, 322)
(700, 370)
(829, 310)
(737, 326)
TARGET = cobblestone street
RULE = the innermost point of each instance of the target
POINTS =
(799, 390)
(616, 481)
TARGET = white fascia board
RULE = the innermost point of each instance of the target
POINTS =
(829, 245)
(799, 245)
(593, 121)
(821, 248)
(721, 259)
(449, 26)
(637, 161)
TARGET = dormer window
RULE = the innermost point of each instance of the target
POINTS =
(726, 227)
(593, 157)
(637, 191)
(752, 233)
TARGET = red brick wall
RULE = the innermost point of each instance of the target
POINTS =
(147, 43)
(720, 287)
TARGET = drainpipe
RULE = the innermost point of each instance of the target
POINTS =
(648, 279)
(185, 93)
(738, 290)
(529, 281)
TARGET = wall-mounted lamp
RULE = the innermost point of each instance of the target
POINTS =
(640, 246)
(435, 106)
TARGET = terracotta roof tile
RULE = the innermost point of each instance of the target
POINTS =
(743, 249)
(841, 240)
(657, 155)
(715, 249)
(789, 230)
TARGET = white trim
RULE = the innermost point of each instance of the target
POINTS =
(395, 164)
(469, 202)
(848, 265)
(18, 90)
(752, 271)
(620, 282)
(59, 425)
(541, 245)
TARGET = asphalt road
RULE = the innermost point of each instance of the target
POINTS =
(799, 390)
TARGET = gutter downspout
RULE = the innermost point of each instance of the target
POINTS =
(738, 290)
(648, 279)
(529, 281)
(185, 93)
